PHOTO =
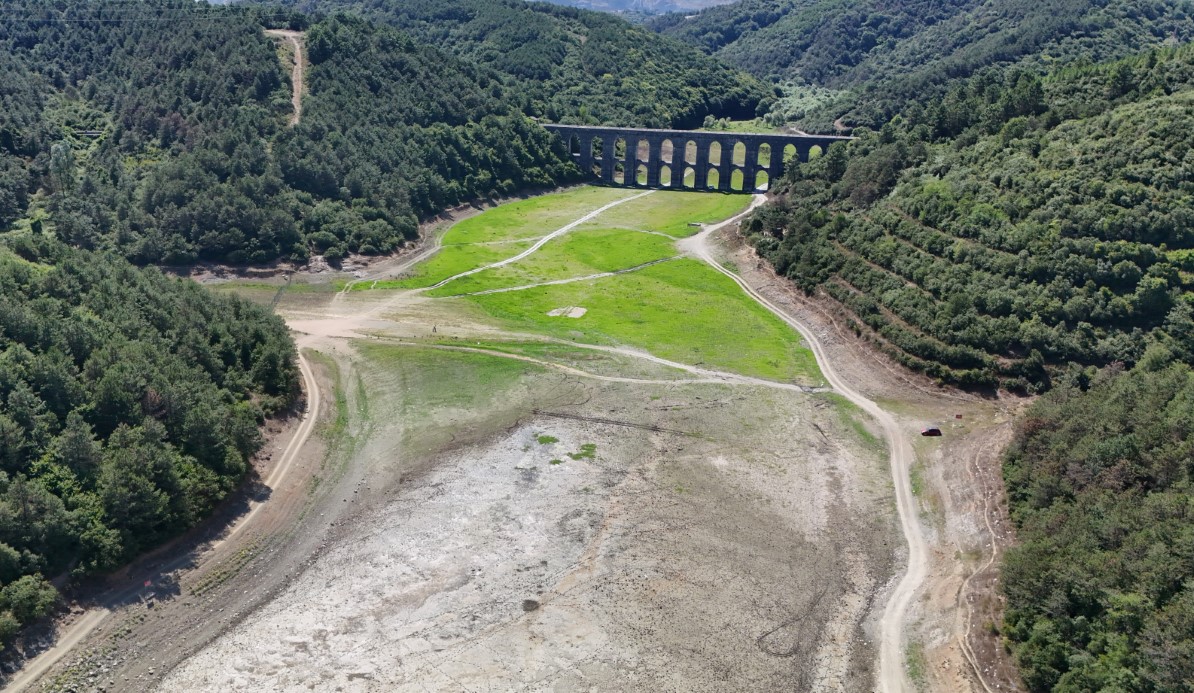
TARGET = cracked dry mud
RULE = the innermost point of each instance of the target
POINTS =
(442, 546)
(744, 557)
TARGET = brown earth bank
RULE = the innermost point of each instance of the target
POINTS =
(958, 480)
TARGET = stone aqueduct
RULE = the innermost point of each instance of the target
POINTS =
(636, 157)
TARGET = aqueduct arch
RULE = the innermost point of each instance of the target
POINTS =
(711, 156)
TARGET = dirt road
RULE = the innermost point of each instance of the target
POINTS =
(543, 240)
(892, 676)
(296, 73)
(472, 555)
(278, 473)
(674, 488)
(82, 627)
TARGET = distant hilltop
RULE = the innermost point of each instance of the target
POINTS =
(642, 7)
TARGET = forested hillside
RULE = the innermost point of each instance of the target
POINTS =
(816, 39)
(1035, 234)
(573, 66)
(129, 406)
(159, 129)
(1012, 228)
(1101, 588)
(153, 94)
(884, 55)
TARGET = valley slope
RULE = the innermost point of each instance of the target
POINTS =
(173, 147)
(876, 57)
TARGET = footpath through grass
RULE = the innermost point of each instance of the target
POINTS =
(432, 379)
(500, 233)
(671, 211)
(587, 250)
(681, 310)
(535, 217)
(449, 261)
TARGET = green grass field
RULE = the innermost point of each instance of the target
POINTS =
(436, 378)
(532, 218)
(433, 398)
(589, 249)
(506, 231)
(449, 261)
(670, 211)
(568, 354)
(681, 310)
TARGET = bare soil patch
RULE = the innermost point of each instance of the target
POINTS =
(638, 534)
(964, 510)
(744, 555)
(299, 65)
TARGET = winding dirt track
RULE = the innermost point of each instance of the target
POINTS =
(80, 629)
(278, 473)
(296, 74)
(892, 677)
(569, 280)
(891, 674)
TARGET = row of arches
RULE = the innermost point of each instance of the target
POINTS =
(691, 154)
(702, 162)
(687, 178)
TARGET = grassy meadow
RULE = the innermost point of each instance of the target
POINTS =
(681, 309)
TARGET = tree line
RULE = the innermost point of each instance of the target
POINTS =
(1101, 585)
(130, 405)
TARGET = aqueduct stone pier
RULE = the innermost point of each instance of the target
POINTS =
(725, 161)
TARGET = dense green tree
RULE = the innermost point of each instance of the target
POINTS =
(129, 407)
(1019, 225)
(28, 597)
(1099, 587)
(570, 65)
(878, 57)
(174, 146)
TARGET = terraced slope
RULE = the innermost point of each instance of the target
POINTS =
(1002, 253)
